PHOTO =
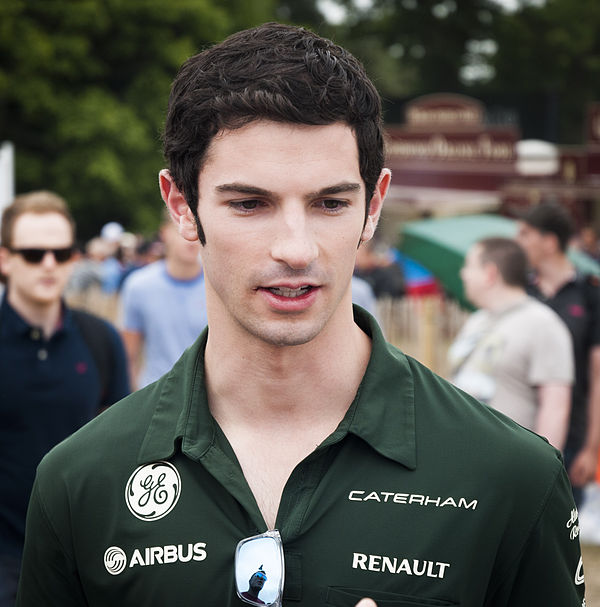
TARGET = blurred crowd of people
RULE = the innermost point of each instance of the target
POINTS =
(107, 259)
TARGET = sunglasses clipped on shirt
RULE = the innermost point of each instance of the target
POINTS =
(37, 255)
(259, 569)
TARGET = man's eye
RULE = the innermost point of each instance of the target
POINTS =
(332, 204)
(246, 205)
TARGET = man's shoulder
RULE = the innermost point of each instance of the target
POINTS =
(588, 281)
(100, 336)
(112, 438)
(538, 312)
(589, 285)
(84, 317)
(455, 419)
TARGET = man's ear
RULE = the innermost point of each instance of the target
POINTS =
(177, 206)
(551, 243)
(4, 256)
(492, 273)
(381, 190)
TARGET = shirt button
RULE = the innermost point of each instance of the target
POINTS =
(42, 354)
(35, 334)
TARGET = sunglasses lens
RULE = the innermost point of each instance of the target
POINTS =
(259, 569)
(32, 255)
(37, 255)
(62, 255)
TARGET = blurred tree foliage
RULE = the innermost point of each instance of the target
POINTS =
(84, 83)
(548, 66)
(83, 91)
(538, 65)
(416, 47)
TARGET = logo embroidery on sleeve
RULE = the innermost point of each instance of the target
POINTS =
(579, 577)
(573, 524)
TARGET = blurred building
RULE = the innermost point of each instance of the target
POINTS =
(575, 180)
(448, 158)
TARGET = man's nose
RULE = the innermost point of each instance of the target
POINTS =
(294, 242)
(49, 260)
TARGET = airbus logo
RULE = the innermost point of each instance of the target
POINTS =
(116, 560)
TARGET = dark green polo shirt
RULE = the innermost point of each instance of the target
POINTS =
(422, 496)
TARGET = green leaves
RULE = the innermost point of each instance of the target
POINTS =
(83, 93)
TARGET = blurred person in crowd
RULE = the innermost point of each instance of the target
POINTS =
(112, 268)
(544, 232)
(58, 366)
(127, 255)
(163, 307)
(87, 269)
(375, 264)
(514, 353)
(363, 295)
(150, 250)
(291, 418)
(587, 242)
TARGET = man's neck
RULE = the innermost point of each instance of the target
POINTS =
(182, 271)
(504, 297)
(554, 272)
(262, 381)
(281, 401)
(43, 315)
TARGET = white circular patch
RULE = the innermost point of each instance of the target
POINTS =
(115, 560)
(153, 490)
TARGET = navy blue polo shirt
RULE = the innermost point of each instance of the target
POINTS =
(48, 389)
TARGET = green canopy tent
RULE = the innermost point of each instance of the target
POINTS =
(441, 245)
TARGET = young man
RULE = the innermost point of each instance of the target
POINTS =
(290, 419)
(58, 367)
(544, 232)
(163, 307)
(514, 353)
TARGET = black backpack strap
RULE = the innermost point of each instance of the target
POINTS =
(97, 336)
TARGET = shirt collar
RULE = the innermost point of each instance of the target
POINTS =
(382, 413)
(12, 323)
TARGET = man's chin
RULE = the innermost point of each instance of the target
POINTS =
(47, 298)
(286, 336)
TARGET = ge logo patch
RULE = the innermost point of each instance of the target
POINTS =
(153, 490)
(115, 560)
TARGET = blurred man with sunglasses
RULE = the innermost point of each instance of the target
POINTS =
(290, 434)
(50, 383)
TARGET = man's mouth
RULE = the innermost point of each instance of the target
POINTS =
(287, 292)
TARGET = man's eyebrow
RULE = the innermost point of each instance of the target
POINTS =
(243, 188)
(338, 188)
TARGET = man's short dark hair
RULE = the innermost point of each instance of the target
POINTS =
(272, 72)
(508, 256)
(551, 217)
